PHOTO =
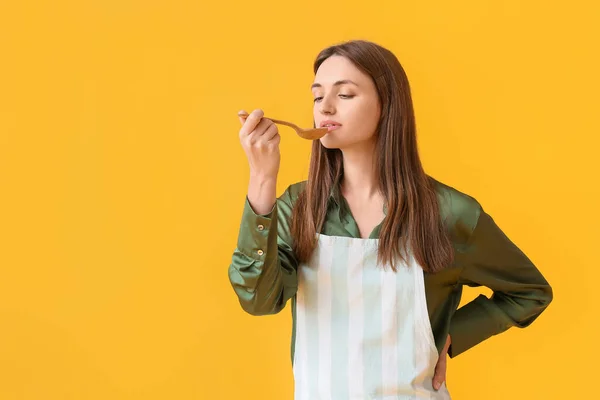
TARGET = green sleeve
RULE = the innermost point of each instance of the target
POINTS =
(263, 267)
(520, 292)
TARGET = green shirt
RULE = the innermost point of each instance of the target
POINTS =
(263, 268)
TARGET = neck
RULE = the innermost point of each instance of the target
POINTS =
(360, 178)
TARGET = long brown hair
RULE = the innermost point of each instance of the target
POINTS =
(413, 216)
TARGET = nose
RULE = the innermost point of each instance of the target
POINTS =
(326, 106)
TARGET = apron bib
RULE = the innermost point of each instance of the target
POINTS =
(362, 332)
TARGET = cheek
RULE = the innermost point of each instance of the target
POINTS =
(364, 123)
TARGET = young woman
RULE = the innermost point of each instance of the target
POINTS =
(372, 252)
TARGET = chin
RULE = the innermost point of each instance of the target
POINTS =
(329, 142)
(332, 141)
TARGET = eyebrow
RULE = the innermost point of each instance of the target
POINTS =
(337, 83)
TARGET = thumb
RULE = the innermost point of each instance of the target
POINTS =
(242, 115)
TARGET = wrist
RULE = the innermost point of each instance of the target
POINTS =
(262, 179)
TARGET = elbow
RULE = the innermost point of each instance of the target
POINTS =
(258, 294)
(538, 300)
(531, 309)
(547, 297)
(257, 302)
(545, 292)
(245, 290)
(251, 307)
(249, 301)
(543, 297)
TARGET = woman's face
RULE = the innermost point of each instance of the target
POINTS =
(346, 96)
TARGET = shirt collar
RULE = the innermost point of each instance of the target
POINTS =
(335, 194)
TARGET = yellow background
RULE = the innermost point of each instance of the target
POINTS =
(123, 182)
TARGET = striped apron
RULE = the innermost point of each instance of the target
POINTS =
(362, 332)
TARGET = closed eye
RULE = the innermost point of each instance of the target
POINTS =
(343, 96)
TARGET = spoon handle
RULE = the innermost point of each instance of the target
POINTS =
(277, 121)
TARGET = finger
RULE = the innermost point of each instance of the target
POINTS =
(249, 122)
(257, 135)
(271, 132)
(261, 128)
(252, 121)
(440, 375)
(437, 382)
(448, 343)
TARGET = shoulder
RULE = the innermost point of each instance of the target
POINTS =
(291, 193)
(459, 210)
(295, 189)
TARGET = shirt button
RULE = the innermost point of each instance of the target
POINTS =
(261, 227)
(260, 252)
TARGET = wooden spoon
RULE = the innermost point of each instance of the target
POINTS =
(309, 134)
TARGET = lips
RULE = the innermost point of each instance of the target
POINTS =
(333, 127)
(330, 125)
